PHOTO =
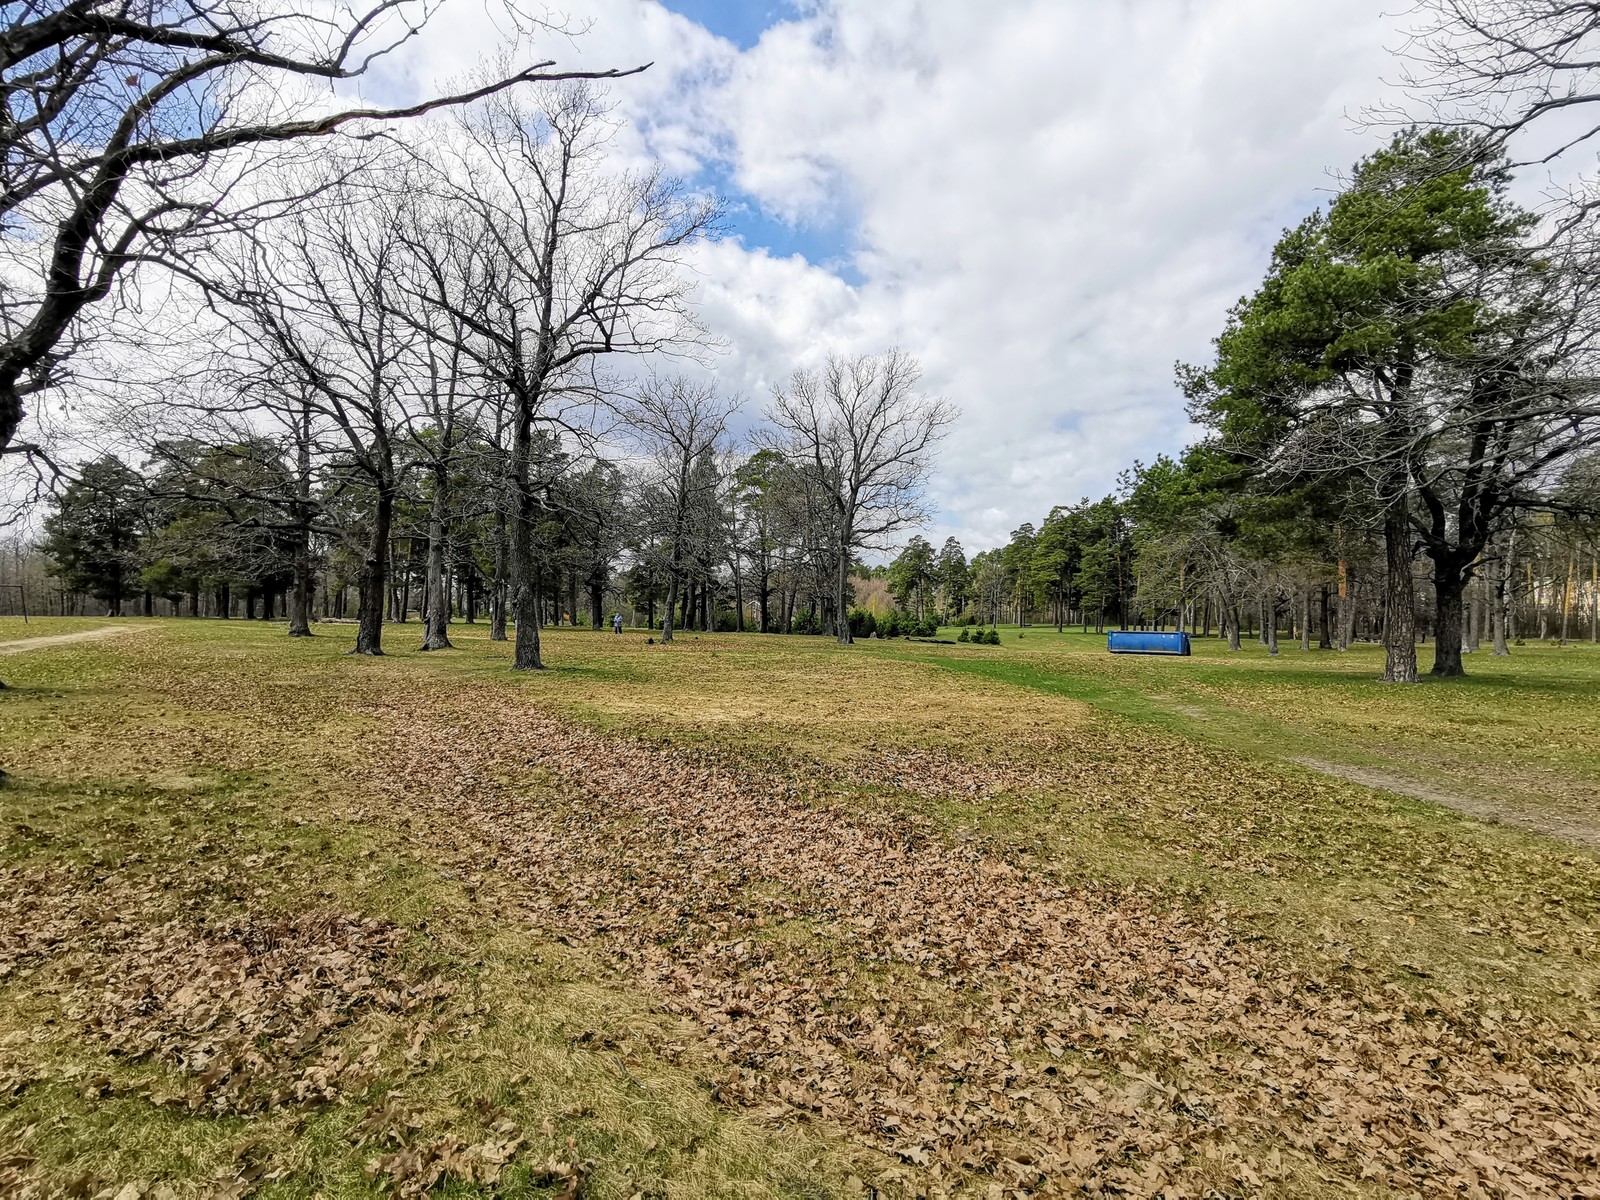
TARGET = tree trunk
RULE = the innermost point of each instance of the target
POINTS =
(1324, 634)
(1594, 598)
(497, 592)
(1399, 600)
(1269, 622)
(1233, 618)
(1448, 587)
(841, 585)
(300, 589)
(436, 623)
(372, 584)
(671, 606)
(525, 580)
(1566, 596)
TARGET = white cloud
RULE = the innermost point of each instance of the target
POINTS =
(1046, 202)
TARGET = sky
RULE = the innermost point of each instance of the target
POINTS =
(1047, 202)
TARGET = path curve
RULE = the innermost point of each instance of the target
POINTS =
(1572, 829)
(61, 639)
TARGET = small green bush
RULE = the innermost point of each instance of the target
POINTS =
(965, 635)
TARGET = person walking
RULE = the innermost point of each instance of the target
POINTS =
(616, 622)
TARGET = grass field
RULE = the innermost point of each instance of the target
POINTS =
(760, 916)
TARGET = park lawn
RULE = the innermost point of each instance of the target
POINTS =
(1517, 735)
(594, 904)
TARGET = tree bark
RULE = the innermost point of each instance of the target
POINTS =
(525, 581)
(372, 584)
(436, 623)
(300, 589)
(671, 605)
(1448, 588)
(765, 596)
(1399, 600)
(1566, 597)
(841, 585)
(497, 592)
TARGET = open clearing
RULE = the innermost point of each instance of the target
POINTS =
(755, 916)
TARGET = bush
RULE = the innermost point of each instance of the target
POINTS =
(862, 623)
(965, 635)
(992, 638)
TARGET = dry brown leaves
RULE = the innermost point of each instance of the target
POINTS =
(924, 771)
(981, 1025)
(242, 1011)
(414, 1169)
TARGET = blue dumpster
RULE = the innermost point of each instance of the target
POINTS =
(1133, 641)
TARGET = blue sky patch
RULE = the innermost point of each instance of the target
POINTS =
(739, 21)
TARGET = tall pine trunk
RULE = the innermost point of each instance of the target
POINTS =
(1399, 600)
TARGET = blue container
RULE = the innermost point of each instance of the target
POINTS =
(1131, 641)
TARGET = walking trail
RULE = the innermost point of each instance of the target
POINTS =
(61, 639)
(1573, 828)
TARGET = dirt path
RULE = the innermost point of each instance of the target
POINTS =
(1570, 828)
(61, 639)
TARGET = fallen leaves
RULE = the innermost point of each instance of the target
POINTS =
(416, 1169)
(969, 1018)
(243, 1010)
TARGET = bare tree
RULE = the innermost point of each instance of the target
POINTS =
(559, 260)
(678, 424)
(317, 324)
(869, 436)
(1501, 67)
(131, 128)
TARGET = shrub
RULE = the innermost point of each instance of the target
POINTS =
(964, 636)
(992, 638)
(862, 623)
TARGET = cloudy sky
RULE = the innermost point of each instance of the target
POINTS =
(1048, 202)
